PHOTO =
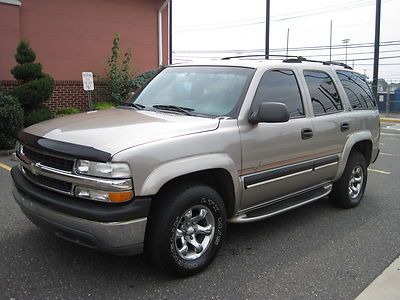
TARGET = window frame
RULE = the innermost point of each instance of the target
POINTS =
(344, 89)
(309, 94)
(298, 86)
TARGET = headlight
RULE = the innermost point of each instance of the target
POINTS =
(103, 196)
(107, 170)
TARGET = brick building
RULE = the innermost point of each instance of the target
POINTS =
(73, 36)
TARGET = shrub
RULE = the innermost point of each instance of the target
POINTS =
(37, 115)
(138, 81)
(37, 86)
(118, 72)
(67, 111)
(24, 53)
(33, 93)
(11, 120)
(103, 105)
(27, 72)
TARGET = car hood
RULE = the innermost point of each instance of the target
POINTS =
(117, 129)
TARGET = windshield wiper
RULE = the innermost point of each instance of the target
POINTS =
(134, 105)
(181, 109)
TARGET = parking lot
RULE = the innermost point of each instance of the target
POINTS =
(317, 251)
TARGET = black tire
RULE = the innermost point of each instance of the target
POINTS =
(341, 195)
(161, 244)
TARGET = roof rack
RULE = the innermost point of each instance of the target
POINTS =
(293, 59)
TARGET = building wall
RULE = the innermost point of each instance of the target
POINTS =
(76, 35)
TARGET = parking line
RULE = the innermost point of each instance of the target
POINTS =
(5, 167)
(379, 171)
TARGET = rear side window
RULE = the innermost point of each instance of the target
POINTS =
(280, 86)
(357, 90)
(324, 95)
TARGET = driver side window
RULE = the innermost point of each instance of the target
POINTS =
(280, 86)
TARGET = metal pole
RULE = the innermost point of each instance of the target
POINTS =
(267, 15)
(346, 41)
(330, 44)
(287, 43)
(170, 31)
(376, 48)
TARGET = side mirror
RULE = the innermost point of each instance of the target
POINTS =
(270, 112)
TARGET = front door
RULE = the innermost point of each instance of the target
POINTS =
(277, 157)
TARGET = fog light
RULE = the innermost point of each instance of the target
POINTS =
(103, 196)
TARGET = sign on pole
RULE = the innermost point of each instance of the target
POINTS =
(87, 78)
(88, 85)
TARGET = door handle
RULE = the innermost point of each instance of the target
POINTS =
(306, 133)
(344, 126)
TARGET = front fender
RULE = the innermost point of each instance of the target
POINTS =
(351, 141)
(173, 169)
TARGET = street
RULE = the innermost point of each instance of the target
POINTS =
(317, 251)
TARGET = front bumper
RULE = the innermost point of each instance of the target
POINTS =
(125, 237)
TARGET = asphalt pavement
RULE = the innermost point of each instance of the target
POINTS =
(315, 252)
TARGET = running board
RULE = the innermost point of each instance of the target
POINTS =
(283, 205)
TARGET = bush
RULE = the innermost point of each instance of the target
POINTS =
(67, 111)
(24, 53)
(11, 120)
(138, 81)
(37, 115)
(103, 105)
(37, 87)
(118, 72)
(33, 93)
(27, 72)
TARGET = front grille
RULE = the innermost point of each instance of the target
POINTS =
(49, 182)
(48, 160)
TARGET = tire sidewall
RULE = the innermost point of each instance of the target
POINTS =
(197, 196)
(356, 159)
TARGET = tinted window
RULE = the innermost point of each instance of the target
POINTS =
(357, 90)
(280, 86)
(324, 96)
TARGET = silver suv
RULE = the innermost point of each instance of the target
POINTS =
(200, 145)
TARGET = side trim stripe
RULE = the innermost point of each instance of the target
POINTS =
(269, 176)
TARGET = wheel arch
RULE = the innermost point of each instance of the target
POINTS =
(360, 142)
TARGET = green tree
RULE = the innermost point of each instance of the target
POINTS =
(36, 86)
(118, 73)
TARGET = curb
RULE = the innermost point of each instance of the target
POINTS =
(395, 120)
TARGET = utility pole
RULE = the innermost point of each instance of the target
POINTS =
(346, 41)
(376, 48)
(267, 15)
(330, 44)
(287, 43)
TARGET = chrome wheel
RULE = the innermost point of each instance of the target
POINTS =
(356, 182)
(195, 232)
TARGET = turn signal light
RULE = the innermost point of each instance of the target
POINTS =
(120, 196)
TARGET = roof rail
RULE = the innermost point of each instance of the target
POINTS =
(292, 59)
(257, 55)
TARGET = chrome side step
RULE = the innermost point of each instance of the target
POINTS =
(284, 205)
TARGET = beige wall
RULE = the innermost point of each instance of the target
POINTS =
(76, 35)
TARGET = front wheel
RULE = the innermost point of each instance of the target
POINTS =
(186, 229)
(349, 190)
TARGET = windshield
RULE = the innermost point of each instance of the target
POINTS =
(202, 90)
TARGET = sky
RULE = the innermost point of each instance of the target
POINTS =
(218, 28)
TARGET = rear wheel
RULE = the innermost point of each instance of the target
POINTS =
(349, 190)
(186, 229)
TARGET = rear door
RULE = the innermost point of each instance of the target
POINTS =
(331, 122)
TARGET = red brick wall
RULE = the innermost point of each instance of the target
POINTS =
(66, 93)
